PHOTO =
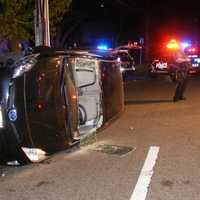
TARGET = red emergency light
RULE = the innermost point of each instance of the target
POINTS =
(192, 50)
(173, 45)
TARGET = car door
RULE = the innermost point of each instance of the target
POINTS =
(89, 93)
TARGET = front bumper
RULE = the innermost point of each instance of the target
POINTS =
(194, 70)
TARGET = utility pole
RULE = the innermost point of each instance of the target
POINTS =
(41, 21)
(147, 29)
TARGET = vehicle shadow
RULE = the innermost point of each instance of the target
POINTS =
(127, 102)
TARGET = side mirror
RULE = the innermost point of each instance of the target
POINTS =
(85, 72)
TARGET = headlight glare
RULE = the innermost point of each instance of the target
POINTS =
(24, 64)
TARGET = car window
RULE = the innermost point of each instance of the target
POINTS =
(124, 56)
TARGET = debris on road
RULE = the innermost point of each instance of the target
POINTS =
(111, 149)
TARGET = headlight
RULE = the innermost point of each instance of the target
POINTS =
(34, 154)
(1, 118)
(122, 69)
(24, 64)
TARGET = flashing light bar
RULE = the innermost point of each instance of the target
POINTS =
(192, 56)
(173, 45)
(192, 50)
(197, 60)
(195, 65)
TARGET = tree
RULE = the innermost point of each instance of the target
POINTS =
(16, 17)
(57, 8)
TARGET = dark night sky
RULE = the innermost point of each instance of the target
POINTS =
(123, 20)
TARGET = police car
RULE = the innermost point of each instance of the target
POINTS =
(163, 66)
(194, 55)
(126, 60)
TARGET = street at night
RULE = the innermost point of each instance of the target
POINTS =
(99, 100)
(151, 120)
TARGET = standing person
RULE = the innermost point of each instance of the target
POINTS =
(181, 65)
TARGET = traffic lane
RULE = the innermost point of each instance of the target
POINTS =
(175, 128)
(84, 175)
(149, 90)
(76, 176)
(178, 174)
(89, 175)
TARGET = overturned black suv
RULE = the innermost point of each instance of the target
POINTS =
(51, 99)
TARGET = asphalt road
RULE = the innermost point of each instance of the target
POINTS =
(150, 119)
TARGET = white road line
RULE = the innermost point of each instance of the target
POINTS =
(146, 173)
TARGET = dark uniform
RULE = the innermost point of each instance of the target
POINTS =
(180, 66)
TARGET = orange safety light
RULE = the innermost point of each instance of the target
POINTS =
(74, 97)
(173, 45)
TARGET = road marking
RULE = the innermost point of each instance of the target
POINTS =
(146, 173)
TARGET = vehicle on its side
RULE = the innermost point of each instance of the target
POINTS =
(53, 98)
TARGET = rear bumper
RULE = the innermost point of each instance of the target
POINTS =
(159, 72)
(194, 71)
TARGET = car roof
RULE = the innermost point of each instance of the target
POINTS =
(98, 54)
(120, 51)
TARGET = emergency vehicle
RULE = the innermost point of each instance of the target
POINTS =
(162, 66)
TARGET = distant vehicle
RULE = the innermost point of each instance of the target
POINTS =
(194, 54)
(51, 97)
(134, 50)
(160, 67)
(126, 60)
(163, 66)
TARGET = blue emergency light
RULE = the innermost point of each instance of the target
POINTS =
(102, 47)
(185, 44)
(197, 60)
